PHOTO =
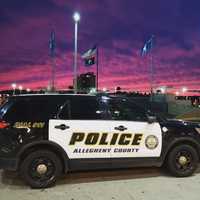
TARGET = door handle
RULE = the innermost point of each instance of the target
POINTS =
(120, 128)
(62, 127)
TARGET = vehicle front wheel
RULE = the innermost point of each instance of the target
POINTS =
(182, 161)
(41, 168)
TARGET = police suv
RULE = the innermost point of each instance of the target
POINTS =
(44, 136)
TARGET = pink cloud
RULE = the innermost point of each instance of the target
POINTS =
(119, 29)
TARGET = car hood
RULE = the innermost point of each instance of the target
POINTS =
(180, 123)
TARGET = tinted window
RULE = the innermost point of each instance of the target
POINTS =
(126, 110)
(85, 108)
(31, 110)
(18, 111)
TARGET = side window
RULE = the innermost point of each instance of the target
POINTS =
(125, 110)
(85, 108)
(42, 110)
(31, 110)
(18, 111)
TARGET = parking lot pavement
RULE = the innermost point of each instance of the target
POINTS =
(132, 184)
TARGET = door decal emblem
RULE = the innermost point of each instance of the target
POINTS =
(151, 142)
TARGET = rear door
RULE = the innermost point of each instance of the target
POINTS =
(82, 132)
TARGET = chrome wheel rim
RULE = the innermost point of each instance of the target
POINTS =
(184, 161)
(42, 170)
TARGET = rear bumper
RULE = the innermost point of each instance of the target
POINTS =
(8, 163)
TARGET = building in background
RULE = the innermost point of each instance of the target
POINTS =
(86, 82)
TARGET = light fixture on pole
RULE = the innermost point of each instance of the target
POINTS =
(184, 89)
(163, 90)
(76, 20)
(14, 85)
(104, 89)
(76, 17)
(20, 89)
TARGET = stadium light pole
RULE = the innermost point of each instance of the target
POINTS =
(20, 89)
(76, 17)
(14, 85)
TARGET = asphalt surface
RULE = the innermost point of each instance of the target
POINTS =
(132, 184)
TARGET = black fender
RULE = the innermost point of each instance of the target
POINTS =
(177, 141)
(45, 144)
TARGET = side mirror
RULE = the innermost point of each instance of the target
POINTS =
(151, 119)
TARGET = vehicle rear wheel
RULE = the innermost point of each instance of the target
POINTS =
(41, 168)
(182, 161)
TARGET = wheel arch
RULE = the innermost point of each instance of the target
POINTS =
(183, 140)
(49, 145)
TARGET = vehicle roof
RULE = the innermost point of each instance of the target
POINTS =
(44, 96)
(55, 95)
(52, 94)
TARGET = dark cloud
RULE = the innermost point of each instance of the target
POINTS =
(27, 7)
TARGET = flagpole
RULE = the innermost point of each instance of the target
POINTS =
(148, 46)
(151, 81)
(53, 74)
(97, 65)
(52, 54)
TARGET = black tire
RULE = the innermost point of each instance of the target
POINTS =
(33, 164)
(182, 161)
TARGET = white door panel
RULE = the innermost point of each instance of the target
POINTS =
(100, 139)
(135, 136)
(79, 149)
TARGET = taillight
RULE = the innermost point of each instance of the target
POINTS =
(3, 124)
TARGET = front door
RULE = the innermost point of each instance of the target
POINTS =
(135, 137)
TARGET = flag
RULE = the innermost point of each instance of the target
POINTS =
(52, 43)
(90, 56)
(149, 44)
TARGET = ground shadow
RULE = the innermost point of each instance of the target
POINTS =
(13, 179)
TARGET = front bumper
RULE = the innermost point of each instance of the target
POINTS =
(8, 163)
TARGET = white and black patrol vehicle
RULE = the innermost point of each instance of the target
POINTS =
(44, 136)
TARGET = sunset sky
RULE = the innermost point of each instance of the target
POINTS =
(119, 27)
